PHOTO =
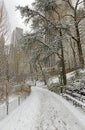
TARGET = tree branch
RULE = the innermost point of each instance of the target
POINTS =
(72, 7)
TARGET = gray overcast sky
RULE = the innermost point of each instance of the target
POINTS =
(14, 16)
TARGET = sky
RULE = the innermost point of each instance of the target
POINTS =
(13, 15)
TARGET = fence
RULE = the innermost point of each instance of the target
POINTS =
(13, 103)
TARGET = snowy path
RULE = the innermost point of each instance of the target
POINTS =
(43, 110)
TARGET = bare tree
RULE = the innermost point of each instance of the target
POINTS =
(76, 17)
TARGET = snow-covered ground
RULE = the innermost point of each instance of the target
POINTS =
(55, 79)
(44, 110)
(13, 104)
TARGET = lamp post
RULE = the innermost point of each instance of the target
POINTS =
(7, 100)
(7, 91)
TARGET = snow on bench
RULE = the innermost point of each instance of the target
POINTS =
(75, 101)
(69, 92)
(78, 96)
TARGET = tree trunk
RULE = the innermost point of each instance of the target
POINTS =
(74, 53)
(81, 58)
(63, 67)
(44, 78)
(63, 63)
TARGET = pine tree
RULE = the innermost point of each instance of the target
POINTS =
(49, 30)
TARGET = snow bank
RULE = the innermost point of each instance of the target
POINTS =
(56, 79)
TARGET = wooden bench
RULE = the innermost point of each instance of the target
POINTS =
(69, 92)
(78, 96)
(75, 101)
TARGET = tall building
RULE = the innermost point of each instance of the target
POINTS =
(4, 22)
(57, 17)
(16, 36)
(17, 58)
(15, 41)
(14, 53)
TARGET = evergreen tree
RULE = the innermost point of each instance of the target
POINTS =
(49, 31)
